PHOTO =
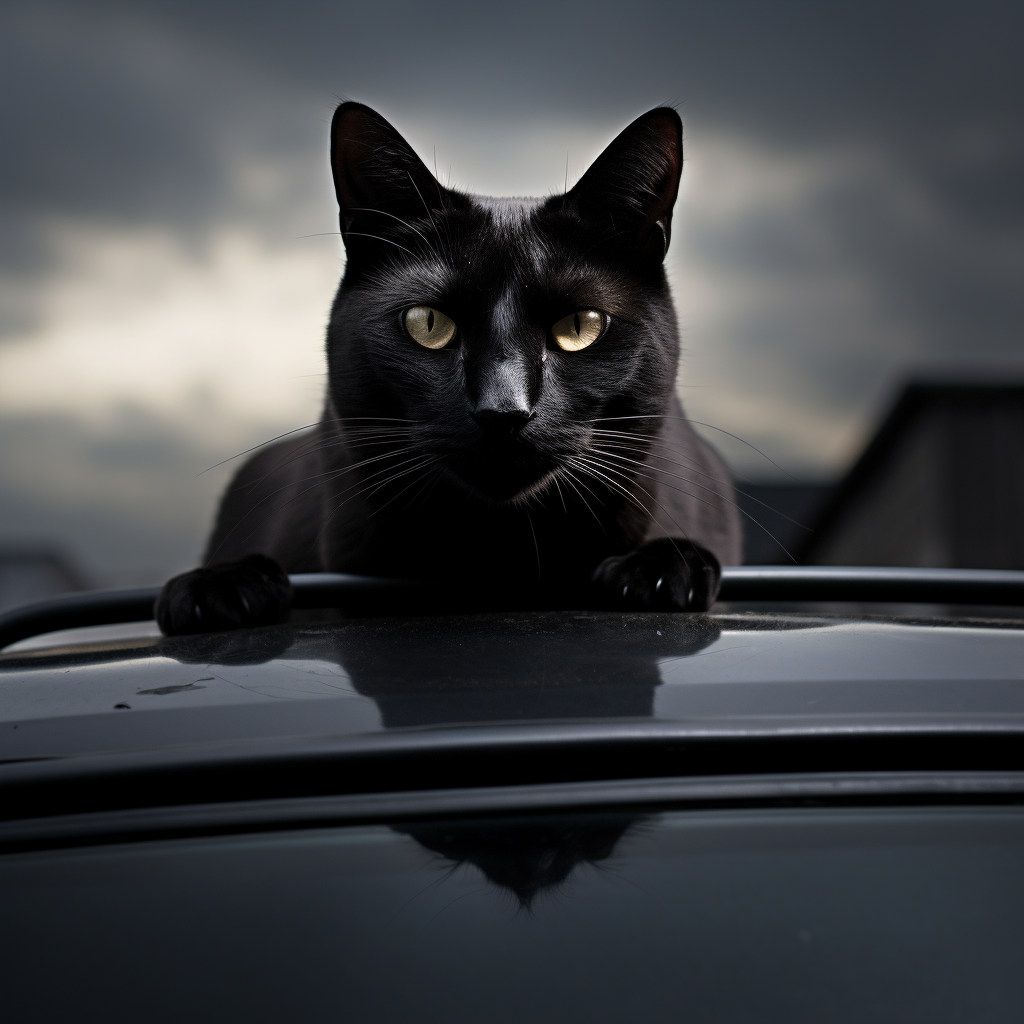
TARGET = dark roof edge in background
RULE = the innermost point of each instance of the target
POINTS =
(914, 397)
(13, 550)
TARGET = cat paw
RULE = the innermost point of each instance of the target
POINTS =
(254, 591)
(662, 575)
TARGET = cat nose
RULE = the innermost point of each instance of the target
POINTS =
(501, 420)
(503, 402)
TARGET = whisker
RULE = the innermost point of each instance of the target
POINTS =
(262, 444)
(316, 479)
(571, 480)
(675, 523)
(308, 426)
(430, 481)
(633, 478)
(404, 223)
(707, 476)
(335, 474)
(390, 241)
(429, 214)
(425, 460)
(430, 459)
(697, 497)
(536, 547)
(615, 435)
(588, 469)
(315, 445)
(327, 445)
(554, 480)
(697, 423)
(661, 472)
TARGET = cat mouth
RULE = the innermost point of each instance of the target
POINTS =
(504, 480)
(507, 496)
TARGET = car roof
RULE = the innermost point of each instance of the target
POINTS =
(426, 671)
(379, 683)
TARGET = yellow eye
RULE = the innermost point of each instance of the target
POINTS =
(429, 327)
(575, 332)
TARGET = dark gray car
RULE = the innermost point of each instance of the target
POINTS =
(753, 815)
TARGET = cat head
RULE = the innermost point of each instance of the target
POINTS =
(499, 330)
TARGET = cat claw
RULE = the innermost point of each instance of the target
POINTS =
(253, 591)
(662, 575)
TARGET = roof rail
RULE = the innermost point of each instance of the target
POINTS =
(769, 583)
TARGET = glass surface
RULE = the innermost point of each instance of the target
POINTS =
(772, 915)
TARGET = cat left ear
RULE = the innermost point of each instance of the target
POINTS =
(375, 169)
(635, 181)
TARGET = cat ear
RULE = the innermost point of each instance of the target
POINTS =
(635, 181)
(375, 169)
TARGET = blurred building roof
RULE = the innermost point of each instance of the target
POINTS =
(941, 484)
(30, 572)
(777, 518)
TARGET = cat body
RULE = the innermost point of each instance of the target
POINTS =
(501, 403)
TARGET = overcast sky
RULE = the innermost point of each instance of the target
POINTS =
(851, 215)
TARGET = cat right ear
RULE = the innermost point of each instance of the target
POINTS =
(633, 184)
(376, 171)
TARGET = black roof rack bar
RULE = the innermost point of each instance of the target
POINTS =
(860, 583)
(73, 611)
(739, 584)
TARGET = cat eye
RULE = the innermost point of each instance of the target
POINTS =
(579, 330)
(429, 327)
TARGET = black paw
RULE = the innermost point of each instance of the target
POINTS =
(662, 575)
(254, 591)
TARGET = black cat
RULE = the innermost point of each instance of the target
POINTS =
(501, 410)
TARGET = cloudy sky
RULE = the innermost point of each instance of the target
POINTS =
(851, 215)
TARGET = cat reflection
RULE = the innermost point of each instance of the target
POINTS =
(488, 669)
(525, 856)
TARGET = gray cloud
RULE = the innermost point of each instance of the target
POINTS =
(904, 249)
(133, 104)
(122, 497)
